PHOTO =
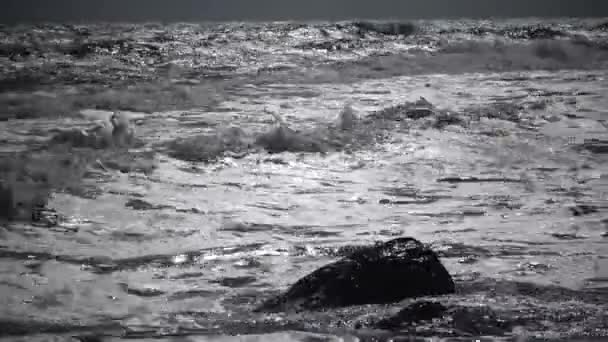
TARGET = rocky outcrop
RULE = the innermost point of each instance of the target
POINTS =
(384, 273)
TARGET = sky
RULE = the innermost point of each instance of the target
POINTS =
(12, 11)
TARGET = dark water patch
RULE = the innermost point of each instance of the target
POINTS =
(300, 230)
(28, 179)
(601, 27)
(12, 285)
(574, 116)
(272, 206)
(568, 236)
(139, 204)
(131, 236)
(468, 57)
(197, 123)
(459, 250)
(108, 265)
(596, 146)
(235, 282)
(285, 139)
(418, 200)
(189, 294)
(20, 328)
(127, 193)
(407, 191)
(573, 191)
(316, 191)
(385, 28)
(176, 184)
(457, 213)
(186, 275)
(500, 205)
(545, 293)
(546, 169)
(31, 106)
(210, 147)
(141, 291)
(518, 251)
(194, 169)
(478, 180)
(584, 209)
(455, 231)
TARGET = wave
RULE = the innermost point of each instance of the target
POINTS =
(117, 54)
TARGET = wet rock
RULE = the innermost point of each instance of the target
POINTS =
(384, 273)
(419, 311)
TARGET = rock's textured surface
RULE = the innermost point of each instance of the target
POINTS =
(384, 273)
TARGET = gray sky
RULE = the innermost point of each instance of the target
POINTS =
(199, 10)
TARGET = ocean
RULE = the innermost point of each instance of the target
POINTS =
(503, 173)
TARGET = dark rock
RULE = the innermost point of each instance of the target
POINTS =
(419, 311)
(384, 273)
